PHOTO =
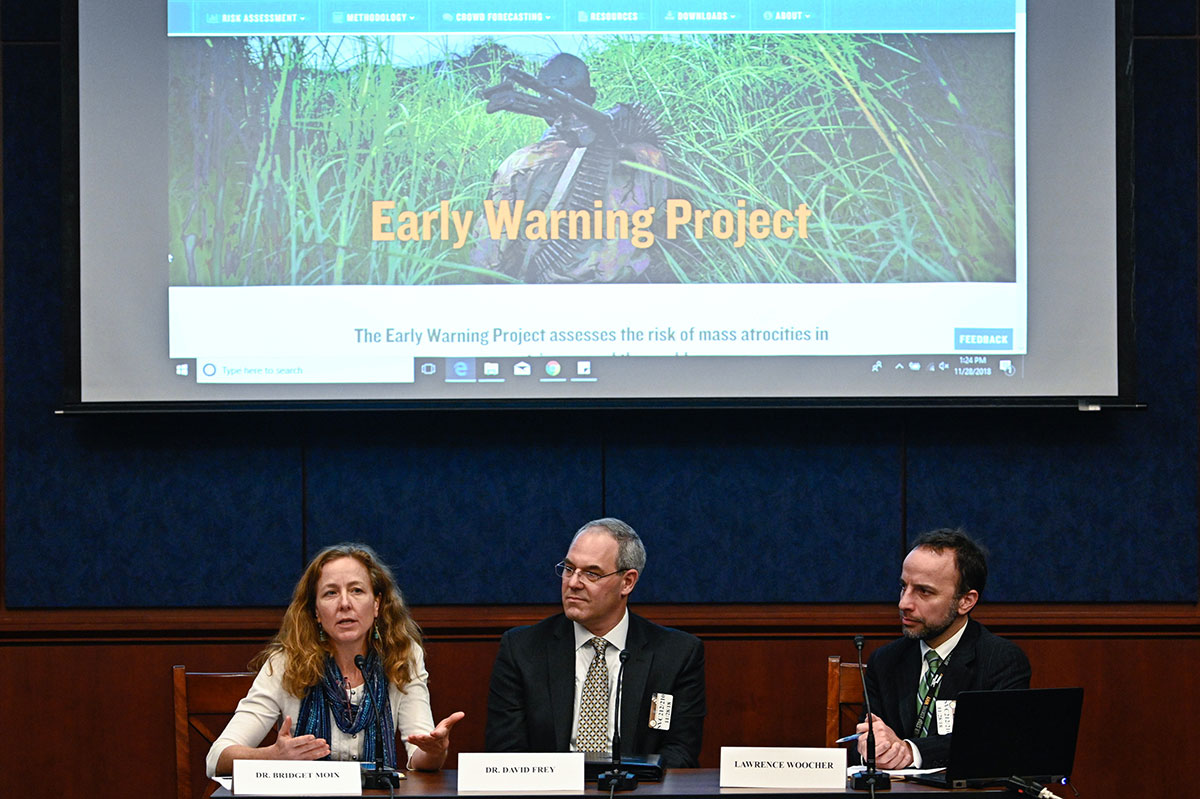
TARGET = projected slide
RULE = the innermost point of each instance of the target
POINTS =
(346, 201)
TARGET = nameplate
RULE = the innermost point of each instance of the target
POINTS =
(782, 767)
(296, 778)
(521, 771)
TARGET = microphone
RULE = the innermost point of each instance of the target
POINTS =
(616, 746)
(382, 776)
(615, 779)
(870, 779)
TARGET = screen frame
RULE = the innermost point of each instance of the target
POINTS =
(1125, 397)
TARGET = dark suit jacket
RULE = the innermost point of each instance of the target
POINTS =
(532, 695)
(980, 662)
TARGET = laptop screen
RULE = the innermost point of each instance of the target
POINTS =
(1022, 733)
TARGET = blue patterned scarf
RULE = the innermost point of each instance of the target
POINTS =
(327, 700)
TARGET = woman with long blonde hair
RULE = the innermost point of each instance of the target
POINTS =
(345, 606)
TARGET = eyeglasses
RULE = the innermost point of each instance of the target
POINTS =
(564, 571)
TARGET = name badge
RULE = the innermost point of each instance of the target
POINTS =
(660, 711)
(782, 767)
(520, 771)
(296, 778)
(945, 716)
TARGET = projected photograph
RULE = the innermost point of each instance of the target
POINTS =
(697, 158)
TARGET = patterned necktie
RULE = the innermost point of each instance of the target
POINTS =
(931, 658)
(593, 703)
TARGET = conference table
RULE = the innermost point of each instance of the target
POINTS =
(676, 783)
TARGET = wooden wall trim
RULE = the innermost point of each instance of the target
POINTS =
(461, 622)
(760, 692)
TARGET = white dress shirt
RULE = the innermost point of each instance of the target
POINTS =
(943, 651)
(584, 654)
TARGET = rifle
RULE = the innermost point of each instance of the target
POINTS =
(576, 121)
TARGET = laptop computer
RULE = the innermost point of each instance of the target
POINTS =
(1001, 734)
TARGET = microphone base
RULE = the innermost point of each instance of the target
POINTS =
(614, 780)
(862, 780)
(380, 780)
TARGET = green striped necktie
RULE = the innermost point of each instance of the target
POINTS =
(931, 657)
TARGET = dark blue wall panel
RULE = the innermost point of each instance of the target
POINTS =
(29, 22)
(1164, 17)
(466, 508)
(147, 515)
(759, 507)
(1072, 509)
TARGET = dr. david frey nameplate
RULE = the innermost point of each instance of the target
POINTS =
(522, 771)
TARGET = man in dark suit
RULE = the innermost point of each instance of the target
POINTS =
(943, 652)
(553, 685)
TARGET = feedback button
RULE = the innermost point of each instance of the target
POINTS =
(983, 338)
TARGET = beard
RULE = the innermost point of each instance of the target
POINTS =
(932, 629)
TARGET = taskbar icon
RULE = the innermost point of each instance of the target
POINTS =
(501, 370)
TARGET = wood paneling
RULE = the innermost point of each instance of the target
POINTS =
(90, 699)
(446, 622)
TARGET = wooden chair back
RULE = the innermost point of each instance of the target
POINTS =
(843, 698)
(204, 702)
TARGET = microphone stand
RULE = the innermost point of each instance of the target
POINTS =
(381, 777)
(869, 779)
(615, 779)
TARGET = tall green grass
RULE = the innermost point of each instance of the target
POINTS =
(281, 145)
